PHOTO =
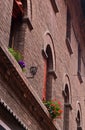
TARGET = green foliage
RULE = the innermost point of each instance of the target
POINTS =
(16, 54)
(18, 58)
(54, 108)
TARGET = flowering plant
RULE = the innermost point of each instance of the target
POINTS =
(17, 55)
(54, 108)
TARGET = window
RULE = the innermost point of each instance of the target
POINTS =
(48, 53)
(66, 108)
(48, 66)
(49, 76)
(68, 31)
(78, 120)
(17, 29)
(81, 66)
(19, 22)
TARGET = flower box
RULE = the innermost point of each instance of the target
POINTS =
(54, 108)
(17, 55)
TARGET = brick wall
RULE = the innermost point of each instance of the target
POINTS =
(44, 19)
(5, 20)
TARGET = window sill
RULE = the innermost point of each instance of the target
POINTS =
(80, 77)
(69, 46)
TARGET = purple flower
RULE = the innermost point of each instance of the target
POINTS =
(22, 64)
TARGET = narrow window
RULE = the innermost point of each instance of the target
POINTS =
(80, 62)
(66, 109)
(78, 120)
(48, 76)
(68, 31)
(17, 31)
(79, 59)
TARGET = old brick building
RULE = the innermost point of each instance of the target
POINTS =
(50, 35)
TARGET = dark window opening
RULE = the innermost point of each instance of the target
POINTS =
(66, 109)
(68, 31)
(17, 30)
(79, 58)
(16, 22)
(49, 76)
(79, 64)
(78, 120)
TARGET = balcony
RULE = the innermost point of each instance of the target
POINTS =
(13, 75)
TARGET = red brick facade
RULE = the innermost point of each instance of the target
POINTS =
(50, 36)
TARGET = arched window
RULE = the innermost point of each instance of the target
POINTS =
(78, 120)
(49, 76)
(49, 66)
(78, 117)
(66, 108)
(67, 102)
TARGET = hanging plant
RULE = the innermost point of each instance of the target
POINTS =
(54, 108)
(17, 55)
